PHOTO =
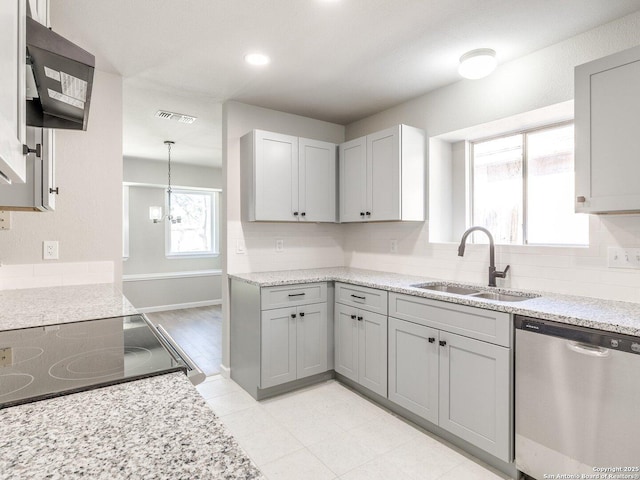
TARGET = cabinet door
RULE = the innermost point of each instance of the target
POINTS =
(353, 176)
(474, 393)
(278, 345)
(346, 341)
(383, 175)
(311, 337)
(413, 368)
(372, 351)
(276, 177)
(12, 91)
(317, 181)
(607, 140)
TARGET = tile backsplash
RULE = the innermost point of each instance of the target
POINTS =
(34, 275)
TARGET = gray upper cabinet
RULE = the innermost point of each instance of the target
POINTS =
(287, 179)
(12, 91)
(382, 176)
(607, 101)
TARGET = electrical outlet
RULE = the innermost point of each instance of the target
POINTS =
(394, 246)
(240, 249)
(618, 257)
(5, 220)
(6, 357)
(50, 250)
(279, 245)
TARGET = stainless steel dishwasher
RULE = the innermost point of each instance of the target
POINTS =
(577, 401)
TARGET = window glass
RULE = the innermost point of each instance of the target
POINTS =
(497, 188)
(194, 233)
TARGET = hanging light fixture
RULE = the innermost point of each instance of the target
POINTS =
(155, 212)
(477, 63)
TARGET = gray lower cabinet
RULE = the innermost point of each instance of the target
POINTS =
(452, 365)
(361, 347)
(293, 343)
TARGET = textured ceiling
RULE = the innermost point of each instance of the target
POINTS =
(333, 60)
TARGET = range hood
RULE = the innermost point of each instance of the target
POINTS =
(59, 80)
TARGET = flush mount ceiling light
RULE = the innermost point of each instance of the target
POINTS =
(477, 63)
(256, 59)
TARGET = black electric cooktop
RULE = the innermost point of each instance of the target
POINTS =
(44, 362)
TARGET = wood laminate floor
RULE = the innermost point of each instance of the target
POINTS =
(198, 331)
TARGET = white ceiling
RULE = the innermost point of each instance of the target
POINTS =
(335, 60)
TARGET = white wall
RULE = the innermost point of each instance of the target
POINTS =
(155, 171)
(87, 222)
(537, 80)
(305, 245)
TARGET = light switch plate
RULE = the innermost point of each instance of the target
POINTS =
(6, 357)
(393, 246)
(5, 220)
(620, 257)
(279, 245)
(240, 249)
(50, 250)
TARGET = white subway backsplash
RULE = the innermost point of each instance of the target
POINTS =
(35, 275)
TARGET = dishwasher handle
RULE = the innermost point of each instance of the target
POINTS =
(590, 350)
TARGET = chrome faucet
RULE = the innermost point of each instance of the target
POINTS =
(493, 273)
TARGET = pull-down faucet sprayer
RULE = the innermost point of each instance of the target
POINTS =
(493, 273)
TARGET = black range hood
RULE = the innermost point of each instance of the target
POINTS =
(59, 80)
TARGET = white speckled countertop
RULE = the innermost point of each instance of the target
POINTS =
(33, 307)
(609, 315)
(159, 427)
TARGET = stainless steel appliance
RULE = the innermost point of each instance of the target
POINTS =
(48, 361)
(577, 401)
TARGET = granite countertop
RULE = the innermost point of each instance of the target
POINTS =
(34, 307)
(609, 315)
(159, 427)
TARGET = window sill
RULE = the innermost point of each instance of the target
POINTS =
(191, 255)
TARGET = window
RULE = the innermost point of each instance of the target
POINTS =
(196, 233)
(523, 188)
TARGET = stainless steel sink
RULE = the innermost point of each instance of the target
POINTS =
(445, 287)
(501, 297)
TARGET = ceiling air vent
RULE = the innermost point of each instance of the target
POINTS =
(179, 117)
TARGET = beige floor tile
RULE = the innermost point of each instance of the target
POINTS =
(385, 434)
(342, 453)
(216, 386)
(231, 402)
(244, 423)
(299, 465)
(265, 446)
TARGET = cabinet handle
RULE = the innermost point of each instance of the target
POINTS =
(293, 315)
(432, 339)
(296, 294)
(54, 190)
(295, 214)
(303, 214)
(368, 214)
(442, 343)
(359, 319)
(362, 214)
(38, 150)
(353, 317)
(358, 297)
(302, 314)
(581, 199)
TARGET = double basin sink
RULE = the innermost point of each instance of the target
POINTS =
(474, 292)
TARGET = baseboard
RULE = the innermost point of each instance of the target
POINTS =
(225, 371)
(179, 306)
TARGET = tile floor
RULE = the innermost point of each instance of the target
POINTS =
(328, 432)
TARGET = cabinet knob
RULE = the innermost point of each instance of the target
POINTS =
(295, 214)
(293, 315)
(581, 199)
(359, 319)
(353, 317)
(442, 343)
(432, 339)
(362, 214)
(368, 214)
(302, 314)
(303, 214)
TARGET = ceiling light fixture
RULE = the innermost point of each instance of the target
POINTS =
(155, 212)
(256, 59)
(477, 63)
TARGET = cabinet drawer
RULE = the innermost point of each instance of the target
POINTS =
(292, 295)
(485, 325)
(365, 298)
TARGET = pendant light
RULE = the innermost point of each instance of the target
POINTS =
(155, 212)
